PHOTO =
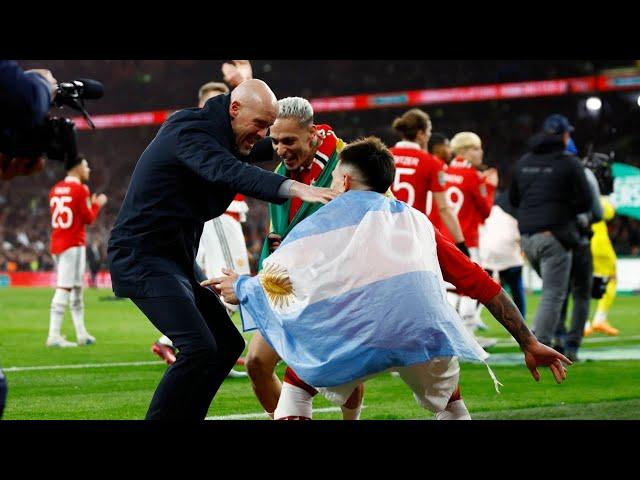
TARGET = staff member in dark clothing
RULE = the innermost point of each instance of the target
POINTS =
(25, 98)
(187, 175)
(581, 277)
(549, 188)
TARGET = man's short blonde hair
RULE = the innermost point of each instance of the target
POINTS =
(464, 140)
(297, 108)
(211, 87)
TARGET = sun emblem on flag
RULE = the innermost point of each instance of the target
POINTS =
(277, 285)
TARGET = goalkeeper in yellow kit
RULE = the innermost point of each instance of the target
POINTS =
(604, 257)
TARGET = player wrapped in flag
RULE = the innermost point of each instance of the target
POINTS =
(369, 298)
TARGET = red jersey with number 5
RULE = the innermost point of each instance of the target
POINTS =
(417, 174)
(71, 210)
(470, 197)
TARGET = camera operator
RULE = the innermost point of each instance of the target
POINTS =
(581, 277)
(25, 98)
(549, 188)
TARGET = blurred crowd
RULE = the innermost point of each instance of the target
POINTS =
(145, 85)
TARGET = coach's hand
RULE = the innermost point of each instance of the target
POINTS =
(537, 354)
(308, 193)
(224, 286)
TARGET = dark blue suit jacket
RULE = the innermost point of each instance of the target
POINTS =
(187, 175)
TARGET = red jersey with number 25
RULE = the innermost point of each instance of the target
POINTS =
(417, 174)
(470, 197)
(71, 210)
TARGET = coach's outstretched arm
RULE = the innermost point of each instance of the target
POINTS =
(252, 110)
(201, 153)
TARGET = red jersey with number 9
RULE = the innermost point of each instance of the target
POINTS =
(417, 174)
(470, 197)
(71, 210)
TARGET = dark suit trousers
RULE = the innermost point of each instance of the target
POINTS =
(209, 345)
(580, 284)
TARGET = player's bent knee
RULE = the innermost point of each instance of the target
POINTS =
(258, 367)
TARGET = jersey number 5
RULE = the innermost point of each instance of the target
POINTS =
(398, 185)
(62, 216)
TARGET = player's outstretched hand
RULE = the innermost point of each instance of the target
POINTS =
(236, 72)
(537, 354)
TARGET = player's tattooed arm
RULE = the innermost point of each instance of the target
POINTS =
(535, 353)
(505, 311)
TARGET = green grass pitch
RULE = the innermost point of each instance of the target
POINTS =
(606, 386)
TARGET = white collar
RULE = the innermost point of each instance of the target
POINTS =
(408, 144)
(71, 178)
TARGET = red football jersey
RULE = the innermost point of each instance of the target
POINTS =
(308, 175)
(470, 197)
(71, 210)
(417, 174)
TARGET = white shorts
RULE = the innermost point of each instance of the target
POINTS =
(432, 383)
(70, 266)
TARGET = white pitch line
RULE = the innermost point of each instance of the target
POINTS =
(85, 365)
(248, 416)
(512, 342)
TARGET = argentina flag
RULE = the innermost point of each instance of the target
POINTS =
(353, 290)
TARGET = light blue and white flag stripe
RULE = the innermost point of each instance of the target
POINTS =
(365, 293)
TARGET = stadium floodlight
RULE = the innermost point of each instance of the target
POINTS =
(594, 104)
(638, 100)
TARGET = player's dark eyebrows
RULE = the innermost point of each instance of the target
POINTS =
(285, 139)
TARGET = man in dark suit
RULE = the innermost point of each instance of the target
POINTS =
(187, 175)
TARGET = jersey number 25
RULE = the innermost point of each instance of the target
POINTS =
(62, 216)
